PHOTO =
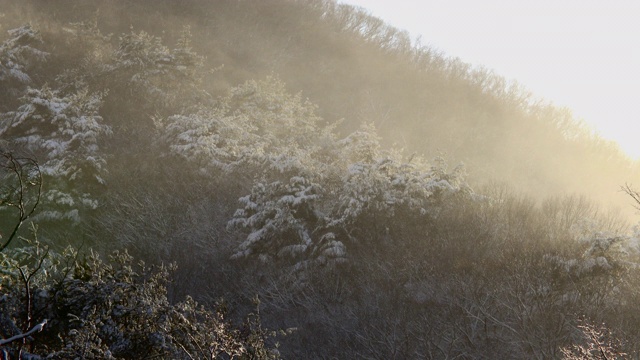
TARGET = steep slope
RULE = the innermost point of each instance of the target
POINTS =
(359, 69)
(209, 135)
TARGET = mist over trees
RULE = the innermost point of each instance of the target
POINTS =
(295, 179)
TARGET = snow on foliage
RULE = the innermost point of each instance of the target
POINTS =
(64, 131)
(281, 118)
(381, 183)
(288, 135)
(67, 129)
(18, 54)
(309, 189)
(280, 218)
(311, 218)
(579, 267)
(602, 254)
(257, 125)
(316, 184)
(209, 139)
(362, 145)
(153, 72)
(113, 309)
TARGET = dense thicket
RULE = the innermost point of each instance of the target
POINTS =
(178, 132)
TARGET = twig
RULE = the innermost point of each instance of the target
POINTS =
(633, 194)
(17, 166)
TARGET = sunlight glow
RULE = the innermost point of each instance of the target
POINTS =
(584, 55)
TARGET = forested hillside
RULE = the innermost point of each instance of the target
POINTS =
(322, 185)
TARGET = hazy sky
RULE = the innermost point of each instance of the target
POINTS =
(583, 54)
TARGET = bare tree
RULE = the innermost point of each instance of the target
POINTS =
(635, 195)
(20, 189)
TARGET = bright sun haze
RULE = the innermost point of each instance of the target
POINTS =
(580, 54)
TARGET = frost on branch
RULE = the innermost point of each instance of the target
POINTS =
(593, 342)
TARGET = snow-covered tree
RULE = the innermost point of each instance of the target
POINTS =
(88, 308)
(380, 184)
(64, 132)
(367, 192)
(285, 223)
(154, 76)
(290, 135)
(258, 125)
(87, 54)
(210, 139)
(280, 217)
(363, 145)
(18, 55)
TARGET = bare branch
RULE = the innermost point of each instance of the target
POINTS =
(34, 330)
(27, 174)
(633, 193)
